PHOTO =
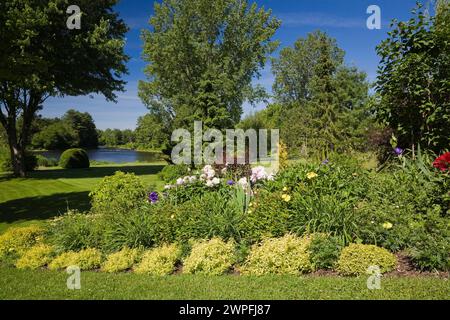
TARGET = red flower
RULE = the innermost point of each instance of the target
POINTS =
(442, 162)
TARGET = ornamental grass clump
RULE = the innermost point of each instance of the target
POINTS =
(37, 257)
(357, 259)
(213, 257)
(159, 261)
(286, 255)
(121, 261)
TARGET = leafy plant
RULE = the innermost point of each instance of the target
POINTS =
(15, 241)
(36, 257)
(324, 251)
(159, 261)
(121, 260)
(357, 258)
(213, 257)
(286, 255)
(118, 194)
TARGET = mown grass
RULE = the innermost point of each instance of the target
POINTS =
(49, 192)
(43, 284)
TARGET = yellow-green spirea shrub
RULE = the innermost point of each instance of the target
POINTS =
(37, 257)
(16, 241)
(357, 258)
(62, 261)
(213, 257)
(87, 259)
(286, 255)
(159, 261)
(121, 261)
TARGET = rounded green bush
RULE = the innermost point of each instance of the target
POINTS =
(37, 257)
(120, 192)
(159, 261)
(286, 255)
(357, 258)
(46, 162)
(74, 159)
(121, 260)
(213, 257)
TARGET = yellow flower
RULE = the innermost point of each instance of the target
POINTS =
(172, 216)
(285, 189)
(387, 225)
(250, 204)
(311, 175)
(286, 197)
(249, 211)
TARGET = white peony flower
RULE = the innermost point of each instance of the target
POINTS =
(180, 181)
(215, 181)
(167, 186)
(243, 182)
(258, 173)
(192, 179)
(209, 183)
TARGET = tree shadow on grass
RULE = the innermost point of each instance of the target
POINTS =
(42, 207)
(93, 172)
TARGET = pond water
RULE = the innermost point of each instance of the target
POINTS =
(110, 155)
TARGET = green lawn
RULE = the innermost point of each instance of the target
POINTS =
(43, 284)
(50, 192)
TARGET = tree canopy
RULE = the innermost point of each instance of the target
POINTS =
(202, 58)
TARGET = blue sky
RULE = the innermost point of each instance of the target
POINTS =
(344, 20)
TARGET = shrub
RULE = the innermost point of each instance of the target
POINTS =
(286, 255)
(38, 256)
(15, 241)
(324, 251)
(118, 193)
(46, 162)
(357, 258)
(172, 172)
(63, 261)
(76, 231)
(121, 261)
(74, 159)
(213, 257)
(159, 261)
(88, 259)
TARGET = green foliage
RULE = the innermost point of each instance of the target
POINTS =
(414, 81)
(15, 241)
(152, 131)
(208, 73)
(172, 172)
(75, 231)
(118, 193)
(286, 255)
(213, 257)
(36, 257)
(87, 259)
(63, 261)
(74, 159)
(55, 136)
(357, 258)
(159, 261)
(122, 260)
(324, 251)
(46, 162)
(324, 101)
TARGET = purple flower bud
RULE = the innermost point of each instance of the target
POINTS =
(325, 162)
(398, 151)
(153, 197)
(230, 182)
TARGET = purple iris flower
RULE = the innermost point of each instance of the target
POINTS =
(153, 197)
(325, 162)
(230, 182)
(398, 151)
